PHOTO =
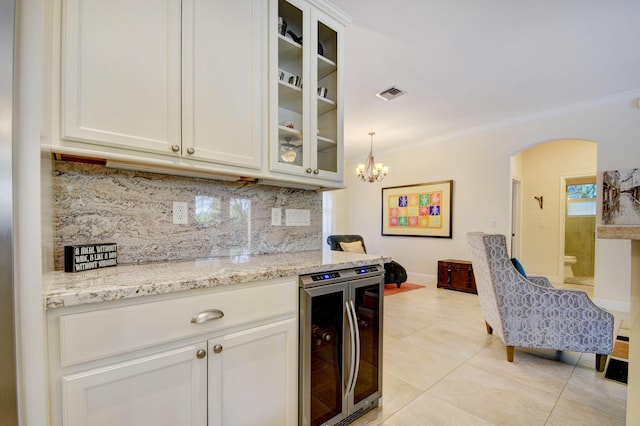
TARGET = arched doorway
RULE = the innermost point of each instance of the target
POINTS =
(543, 171)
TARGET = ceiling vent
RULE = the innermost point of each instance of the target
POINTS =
(390, 94)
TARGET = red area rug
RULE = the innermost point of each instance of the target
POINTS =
(392, 288)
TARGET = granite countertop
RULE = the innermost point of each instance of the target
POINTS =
(129, 281)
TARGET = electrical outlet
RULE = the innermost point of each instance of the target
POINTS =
(180, 213)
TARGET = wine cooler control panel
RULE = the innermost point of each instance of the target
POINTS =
(366, 270)
(342, 275)
(325, 276)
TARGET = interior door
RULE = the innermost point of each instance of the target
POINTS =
(516, 216)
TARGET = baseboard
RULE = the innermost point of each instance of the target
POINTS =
(613, 305)
(553, 279)
(418, 278)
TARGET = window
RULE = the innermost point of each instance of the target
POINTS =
(581, 199)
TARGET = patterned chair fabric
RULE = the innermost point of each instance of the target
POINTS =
(530, 312)
(393, 271)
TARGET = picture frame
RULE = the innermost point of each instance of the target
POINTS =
(620, 192)
(418, 210)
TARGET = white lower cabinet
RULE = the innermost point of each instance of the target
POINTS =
(166, 389)
(250, 376)
(225, 357)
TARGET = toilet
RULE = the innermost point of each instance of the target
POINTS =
(569, 261)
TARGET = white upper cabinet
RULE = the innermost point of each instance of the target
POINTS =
(306, 114)
(193, 87)
(184, 79)
(121, 73)
(224, 83)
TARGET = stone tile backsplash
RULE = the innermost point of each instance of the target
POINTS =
(94, 204)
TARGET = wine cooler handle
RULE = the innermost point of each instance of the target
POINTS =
(353, 349)
(357, 353)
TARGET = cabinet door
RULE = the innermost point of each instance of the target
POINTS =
(224, 80)
(165, 389)
(121, 73)
(289, 114)
(253, 376)
(327, 105)
(306, 102)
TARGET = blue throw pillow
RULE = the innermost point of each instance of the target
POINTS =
(518, 266)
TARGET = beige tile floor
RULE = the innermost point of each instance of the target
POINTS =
(442, 368)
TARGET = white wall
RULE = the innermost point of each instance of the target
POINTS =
(479, 164)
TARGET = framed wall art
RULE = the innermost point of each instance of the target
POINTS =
(419, 210)
(621, 197)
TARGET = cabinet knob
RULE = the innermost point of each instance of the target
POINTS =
(217, 349)
(316, 171)
(175, 148)
(208, 315)
(308, 170)
(201, 353)
(191, 150)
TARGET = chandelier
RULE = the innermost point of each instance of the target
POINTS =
(371, 171)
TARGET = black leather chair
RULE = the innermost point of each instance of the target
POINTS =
(393, 271)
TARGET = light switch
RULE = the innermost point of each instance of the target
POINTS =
(276, 216)
(297, 217)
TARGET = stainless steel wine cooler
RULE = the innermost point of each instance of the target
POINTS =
(340, 345)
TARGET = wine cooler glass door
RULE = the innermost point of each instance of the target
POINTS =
(321, 357)
(366, 296)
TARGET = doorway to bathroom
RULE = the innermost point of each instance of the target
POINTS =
(542, 171)
(579, 229)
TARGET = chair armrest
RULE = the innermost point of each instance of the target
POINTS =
(540, 280)
(562, 319)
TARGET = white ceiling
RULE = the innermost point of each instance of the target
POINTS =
(470, 63)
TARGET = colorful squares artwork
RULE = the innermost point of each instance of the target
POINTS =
(416, 210)
(420, 210)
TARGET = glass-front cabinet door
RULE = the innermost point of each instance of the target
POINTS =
(328, 158)
(306, 91)
(291, 101)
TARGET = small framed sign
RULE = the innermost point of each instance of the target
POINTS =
(85, 257)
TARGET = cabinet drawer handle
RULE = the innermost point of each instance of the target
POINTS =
(208, 315)
(191, 150)
(316, 171)
(217, 349)
(175, 147)
(308, 170)
(201, 353)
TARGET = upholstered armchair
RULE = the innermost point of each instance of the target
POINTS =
(530, 312)
(393, 271)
